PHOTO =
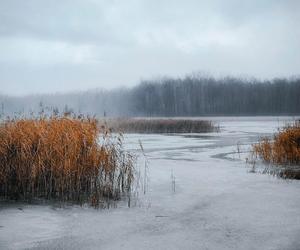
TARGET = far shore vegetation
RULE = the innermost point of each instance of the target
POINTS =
(159, 125)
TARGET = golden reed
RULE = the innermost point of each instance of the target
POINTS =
(62, 158)
(283, 150)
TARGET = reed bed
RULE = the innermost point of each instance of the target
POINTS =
(62, 158)
(155, 125)
(282, 151)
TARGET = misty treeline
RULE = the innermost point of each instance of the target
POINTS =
(189, 96)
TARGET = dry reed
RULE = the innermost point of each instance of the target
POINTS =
(283, 151)
(62, 158)
(155, 125)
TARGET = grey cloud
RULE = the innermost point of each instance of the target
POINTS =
(49, 46)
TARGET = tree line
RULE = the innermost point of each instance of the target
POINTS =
(188, 96)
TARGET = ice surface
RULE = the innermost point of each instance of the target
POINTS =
(217, 203)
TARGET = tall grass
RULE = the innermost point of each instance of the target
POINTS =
(283, 151)
(155, 125)
(62, 158)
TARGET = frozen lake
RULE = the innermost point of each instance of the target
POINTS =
(200, 195)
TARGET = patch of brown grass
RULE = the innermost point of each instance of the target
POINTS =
(156, 125)
(62, 158)
(283, 150)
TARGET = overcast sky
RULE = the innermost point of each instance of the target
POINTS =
(56, 45)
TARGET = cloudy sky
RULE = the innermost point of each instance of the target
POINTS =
(65, 45)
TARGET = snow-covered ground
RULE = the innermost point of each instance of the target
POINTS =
(200, 195)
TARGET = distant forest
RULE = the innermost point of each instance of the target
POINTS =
(189, 96)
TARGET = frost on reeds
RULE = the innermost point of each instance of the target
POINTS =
(62, 158)
(282, 152)
(159, 125)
